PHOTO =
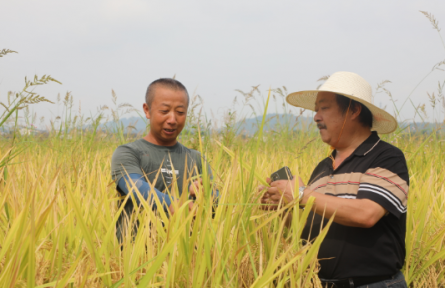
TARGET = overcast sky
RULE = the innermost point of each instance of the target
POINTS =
(215, 47)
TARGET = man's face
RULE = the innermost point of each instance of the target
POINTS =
(167, 115)
(328, 117)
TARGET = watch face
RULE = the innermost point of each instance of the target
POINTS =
(301, 190)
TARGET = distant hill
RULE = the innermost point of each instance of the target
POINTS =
(423, 127)
(137, 122)
(274, 122)
(247, 126)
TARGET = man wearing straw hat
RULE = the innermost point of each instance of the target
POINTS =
(364, 182)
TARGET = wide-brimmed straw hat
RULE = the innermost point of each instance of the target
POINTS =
(351, 86)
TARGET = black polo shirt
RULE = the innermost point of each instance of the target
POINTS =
(376, 171)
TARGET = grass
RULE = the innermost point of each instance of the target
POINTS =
(58, 212)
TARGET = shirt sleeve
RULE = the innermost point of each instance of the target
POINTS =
(128, 183)
(125, 161)
(387, 182)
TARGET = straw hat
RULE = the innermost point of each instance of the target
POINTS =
(354, 87)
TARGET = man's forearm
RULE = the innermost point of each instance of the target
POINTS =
(126, 185)
(349, 212)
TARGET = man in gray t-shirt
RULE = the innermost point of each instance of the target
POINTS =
(158, 158)
(144, 158)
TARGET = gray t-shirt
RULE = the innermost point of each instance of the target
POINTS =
(144, 158)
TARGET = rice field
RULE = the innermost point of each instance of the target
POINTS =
(58, 203)
(58, 208)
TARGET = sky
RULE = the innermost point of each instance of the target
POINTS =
(216, 47)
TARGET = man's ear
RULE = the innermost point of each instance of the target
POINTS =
(355, 111)
(146, 110)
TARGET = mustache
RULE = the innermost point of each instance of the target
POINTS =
(321, 126)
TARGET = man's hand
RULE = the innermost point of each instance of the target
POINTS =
(194, 187)
(300, 181)
(280, 190)
(171, 208)
(265, 198)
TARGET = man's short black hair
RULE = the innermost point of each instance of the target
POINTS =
(365, 117)
(167, 83)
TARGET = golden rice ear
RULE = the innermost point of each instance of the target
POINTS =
(246, 271)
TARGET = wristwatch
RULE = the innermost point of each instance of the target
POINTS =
(301, 192)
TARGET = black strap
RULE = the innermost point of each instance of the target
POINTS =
(352, 282)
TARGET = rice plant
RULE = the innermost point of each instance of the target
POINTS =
(59, 208)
